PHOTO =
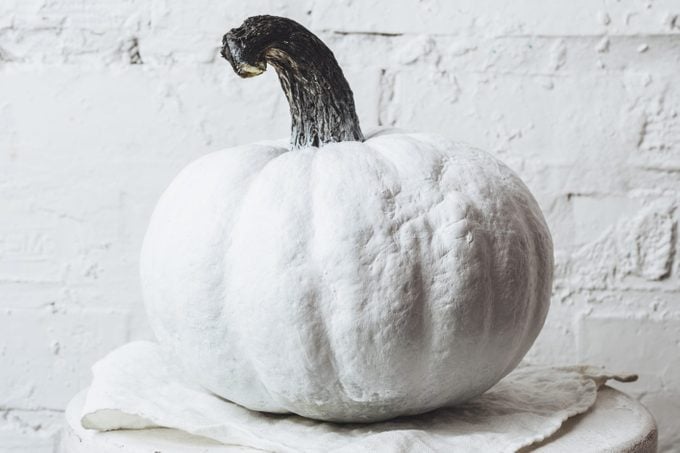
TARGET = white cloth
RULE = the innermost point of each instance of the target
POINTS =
(133, 388)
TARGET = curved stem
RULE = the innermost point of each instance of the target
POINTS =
(320, 99)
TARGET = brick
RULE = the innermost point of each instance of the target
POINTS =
(658, 144)
(533, 17)
(171, 31)
(594, 216)
(558, 338)
(59, 31)
(511, 114)
(632, 253)
(30, 431)
(46, 354)
(103, 102)
(635, 344)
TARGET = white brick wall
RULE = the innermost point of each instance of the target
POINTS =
(582, 98)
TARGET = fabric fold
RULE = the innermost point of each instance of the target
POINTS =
(133, 388)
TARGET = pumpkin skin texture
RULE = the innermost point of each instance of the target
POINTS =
(354, 282)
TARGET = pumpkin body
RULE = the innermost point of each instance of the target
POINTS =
(352, 282)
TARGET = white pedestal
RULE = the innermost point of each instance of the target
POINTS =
(616, 423)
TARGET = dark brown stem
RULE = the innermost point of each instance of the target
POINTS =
(320, 99)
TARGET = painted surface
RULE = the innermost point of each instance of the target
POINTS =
(102, 103)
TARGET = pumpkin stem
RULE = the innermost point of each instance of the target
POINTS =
(320, 99)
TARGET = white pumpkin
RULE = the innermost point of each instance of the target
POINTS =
(350, 281)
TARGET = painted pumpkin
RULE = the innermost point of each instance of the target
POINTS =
(343, 278)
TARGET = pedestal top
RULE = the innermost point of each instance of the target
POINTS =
(616, 423)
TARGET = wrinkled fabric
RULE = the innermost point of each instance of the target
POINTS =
(134, 388)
